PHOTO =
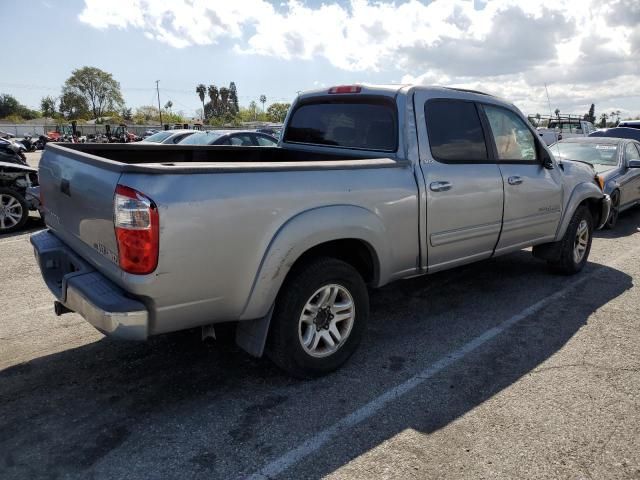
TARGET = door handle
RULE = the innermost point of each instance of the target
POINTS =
(440, 186)
(515, 180)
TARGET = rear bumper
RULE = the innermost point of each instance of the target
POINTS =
(606, 209)
(79, 287)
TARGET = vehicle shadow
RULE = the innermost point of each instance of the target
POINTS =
(96, 406)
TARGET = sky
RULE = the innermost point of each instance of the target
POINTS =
(584, 51)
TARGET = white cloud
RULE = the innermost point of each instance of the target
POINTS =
(581, 48)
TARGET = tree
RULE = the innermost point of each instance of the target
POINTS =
(603, 120)
(98, 88)
(10, 107)
(125, 113)
(277, 112)
(263, 100)
(234, 108)
(201, 90)
(224, 100)
(48, 106)
(591, 115)
(211, 109)
(557, 112)
(253, 108)
(168, 106)
(73, 105)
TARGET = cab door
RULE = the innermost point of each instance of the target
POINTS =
(464, 190)
(630, 179)
(532, 191)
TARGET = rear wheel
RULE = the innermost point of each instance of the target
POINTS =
(576, 243)
(14, 211)
(319, 318)
(615, 210)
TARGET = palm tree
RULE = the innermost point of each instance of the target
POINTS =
(213, 95)
(603, 120)
(201, 90)
(253, 108)
(263, 100)
(168, 106)
(224, 99)
(557, 112)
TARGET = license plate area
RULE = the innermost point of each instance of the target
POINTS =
(57, 263)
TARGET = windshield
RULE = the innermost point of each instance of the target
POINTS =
(596, 153)
(367, 125)
(158, 137)
(200, 138)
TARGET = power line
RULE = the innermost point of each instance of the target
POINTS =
(159, 109)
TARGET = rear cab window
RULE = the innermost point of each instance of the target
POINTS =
(363, 123)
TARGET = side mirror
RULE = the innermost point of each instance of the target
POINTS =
(547, 162)
(634, 164)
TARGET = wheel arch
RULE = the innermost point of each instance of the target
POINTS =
(347, 232)
(587, 194)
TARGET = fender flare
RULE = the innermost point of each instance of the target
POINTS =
(583, 191)
(304, 231)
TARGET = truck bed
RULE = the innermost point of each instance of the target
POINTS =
(144, 158)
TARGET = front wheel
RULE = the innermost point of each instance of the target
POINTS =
(615, 210)
(576, 243)
(319, 318)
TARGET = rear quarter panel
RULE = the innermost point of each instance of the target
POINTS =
(216, 231)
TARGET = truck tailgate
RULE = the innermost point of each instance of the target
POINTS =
(78, 203)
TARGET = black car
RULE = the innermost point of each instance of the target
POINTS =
(230, 137)
(630, 124)
(618, 132)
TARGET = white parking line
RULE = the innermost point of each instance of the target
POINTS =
(316, 442)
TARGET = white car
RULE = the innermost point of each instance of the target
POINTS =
(170, 137)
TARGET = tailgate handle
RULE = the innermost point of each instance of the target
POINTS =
(65, 187)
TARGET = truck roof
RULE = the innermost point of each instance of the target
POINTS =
(392, 90)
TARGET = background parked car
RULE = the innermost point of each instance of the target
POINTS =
(630, 124)
(6, 134)
(170, 137)
(617, 162)
(231, 137)
(618, 132)
(15, 200)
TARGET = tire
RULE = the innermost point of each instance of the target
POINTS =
(14, 211)
(300, 346)
(579, 231)
(613, 214)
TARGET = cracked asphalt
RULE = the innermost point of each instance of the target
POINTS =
(555, 394)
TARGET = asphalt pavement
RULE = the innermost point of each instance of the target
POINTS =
(499, 369)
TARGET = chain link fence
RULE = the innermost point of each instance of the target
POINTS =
(35, 130)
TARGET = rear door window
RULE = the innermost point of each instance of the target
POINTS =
(360, 124)
(455, 131)
(241, 140)
(265, 141)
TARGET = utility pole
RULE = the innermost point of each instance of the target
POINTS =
(159, 109)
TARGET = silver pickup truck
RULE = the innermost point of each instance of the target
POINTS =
(368, 185)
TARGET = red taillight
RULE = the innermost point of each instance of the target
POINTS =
(135, 217)
(346, 89)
